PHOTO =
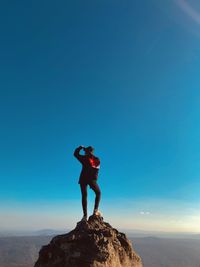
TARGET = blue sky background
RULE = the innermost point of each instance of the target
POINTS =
(122, 76)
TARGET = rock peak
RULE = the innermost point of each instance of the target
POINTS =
(93, 243)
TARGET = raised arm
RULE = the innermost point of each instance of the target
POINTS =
(77, 155)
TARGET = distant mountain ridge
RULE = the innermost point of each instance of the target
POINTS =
(20, 251)
(155, 252)
(42, 232)
(168, 252)
(129, 232)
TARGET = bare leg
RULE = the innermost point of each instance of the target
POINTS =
(84, 198)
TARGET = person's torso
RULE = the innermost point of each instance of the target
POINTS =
(90, 167)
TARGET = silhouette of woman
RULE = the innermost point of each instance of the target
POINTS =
(88, 176)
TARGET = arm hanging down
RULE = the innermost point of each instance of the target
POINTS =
(77, 155)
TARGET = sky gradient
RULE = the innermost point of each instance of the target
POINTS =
(122, 76)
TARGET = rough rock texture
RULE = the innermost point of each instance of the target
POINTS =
(91, 244)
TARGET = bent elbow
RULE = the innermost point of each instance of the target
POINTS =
(76, 154)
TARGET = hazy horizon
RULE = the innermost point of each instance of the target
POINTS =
(131, 232)
(58, 215)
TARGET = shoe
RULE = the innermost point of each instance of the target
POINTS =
(97, 213)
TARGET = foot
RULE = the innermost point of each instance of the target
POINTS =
(97, 213)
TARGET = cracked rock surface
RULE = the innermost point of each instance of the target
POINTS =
(93, 243)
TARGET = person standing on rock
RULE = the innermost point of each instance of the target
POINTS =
(88, 176)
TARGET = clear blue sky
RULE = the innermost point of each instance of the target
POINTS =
(122, 76)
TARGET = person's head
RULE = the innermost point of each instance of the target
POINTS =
(89, 150)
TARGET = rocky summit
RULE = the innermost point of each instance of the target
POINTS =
(93, 243)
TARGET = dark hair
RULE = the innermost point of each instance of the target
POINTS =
(89, 149)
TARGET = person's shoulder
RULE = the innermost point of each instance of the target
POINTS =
(97, 159)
